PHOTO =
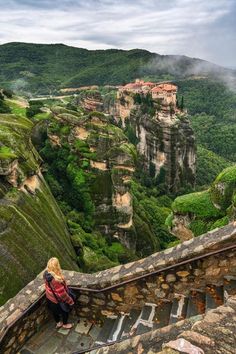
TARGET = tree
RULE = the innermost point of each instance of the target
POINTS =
(182, 103)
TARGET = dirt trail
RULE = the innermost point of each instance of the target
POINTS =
(20, 102)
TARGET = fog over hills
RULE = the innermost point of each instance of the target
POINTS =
(44, 68)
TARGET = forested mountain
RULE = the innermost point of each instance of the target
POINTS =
(113, 182)
(43, 68)
(212, 108)
(206, 88)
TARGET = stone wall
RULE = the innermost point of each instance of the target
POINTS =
(213, 332)
(177, 270)
(159, 287)
(169, 280)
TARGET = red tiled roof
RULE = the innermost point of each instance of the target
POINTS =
(165, 87)
(133, 85)
(149, 83)
(168, 87)
(156, 89)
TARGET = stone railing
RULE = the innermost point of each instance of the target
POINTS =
(192, 264)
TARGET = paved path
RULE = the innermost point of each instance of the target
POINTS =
(60, 341)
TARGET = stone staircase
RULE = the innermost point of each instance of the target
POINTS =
(87, 337)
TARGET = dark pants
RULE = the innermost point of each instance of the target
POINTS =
(58, 313)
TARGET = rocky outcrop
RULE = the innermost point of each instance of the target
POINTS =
(164, 137)
(32, 227)
(180, 224)
(109, 162)
(163, 133)
(91, 100)
(215, 333)
(168, 146)
(123, 106)
(200, 212)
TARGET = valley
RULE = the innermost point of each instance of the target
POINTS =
(117, 177)
(115, 159)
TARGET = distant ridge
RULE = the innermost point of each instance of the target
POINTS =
(45, 68)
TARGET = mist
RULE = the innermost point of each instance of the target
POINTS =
(182, 67)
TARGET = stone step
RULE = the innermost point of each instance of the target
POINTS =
(104, 334)
(83, 343)
(143, 328)
(162, 314)
(147, 312)
(178, 309)
(129, 323)
(214, 296)
(196, 303)
(145, 320)
(117, 328)
(94, 332)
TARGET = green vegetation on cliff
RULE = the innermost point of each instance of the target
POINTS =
(89, 166)
(32, 226)
(150, 213)
(208, 209)
(224, 187)
(212, 108)
(198, 203)
(209, 165)
(83, 189)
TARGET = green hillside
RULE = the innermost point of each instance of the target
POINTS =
(211, 105)
(43, 68)
(204, 211)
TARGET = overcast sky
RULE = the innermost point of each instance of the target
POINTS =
(198, 28)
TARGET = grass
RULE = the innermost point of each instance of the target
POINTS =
(199, 204)
(6, 153)
(16, 108)
(227, 176)
(42, 116)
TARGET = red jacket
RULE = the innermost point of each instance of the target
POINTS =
(60, 289)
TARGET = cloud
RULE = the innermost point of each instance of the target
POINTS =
(166, 27)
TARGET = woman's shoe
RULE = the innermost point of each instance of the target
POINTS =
(59, 325)
(68, 325)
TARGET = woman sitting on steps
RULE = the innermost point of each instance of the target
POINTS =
(59, 298)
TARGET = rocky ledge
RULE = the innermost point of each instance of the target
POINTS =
(214, 332)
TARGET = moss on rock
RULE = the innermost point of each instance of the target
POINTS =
(199, 204)
(224, 187)
(32, 225)
(206, 210)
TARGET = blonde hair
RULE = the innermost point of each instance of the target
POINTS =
(53, 267)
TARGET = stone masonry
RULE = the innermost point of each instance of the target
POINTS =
(215, 332)
(176, 270)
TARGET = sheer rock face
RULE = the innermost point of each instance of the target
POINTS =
(165, 139)
(180, 227)
(111, 165)
(32, 226)
(169, 146)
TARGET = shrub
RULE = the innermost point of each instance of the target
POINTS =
(199, 204)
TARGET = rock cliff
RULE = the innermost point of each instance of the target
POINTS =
(101, 154)
(90, 165)
(196, 213)
(163, 136)
(32, 227)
